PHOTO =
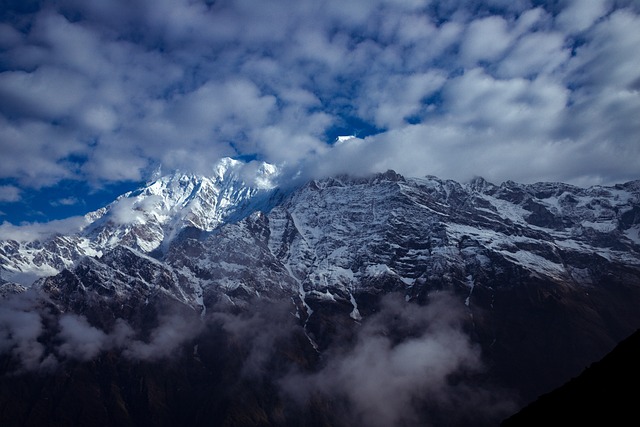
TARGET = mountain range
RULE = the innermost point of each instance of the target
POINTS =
(234, 299)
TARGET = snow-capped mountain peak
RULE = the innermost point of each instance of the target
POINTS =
(156, 213)
(150, 217)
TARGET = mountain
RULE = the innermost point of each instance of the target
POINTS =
(148, 218)
(379, 300)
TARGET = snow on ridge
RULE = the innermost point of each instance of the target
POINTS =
(151, 217)
(199, 200)
(145, 219)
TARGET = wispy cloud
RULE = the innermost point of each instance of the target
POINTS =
(9, 193)
(66, 201)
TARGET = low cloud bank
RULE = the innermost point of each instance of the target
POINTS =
(401, 369)
(406, 365)
(40, 341)
(20, 327)
(41, 230)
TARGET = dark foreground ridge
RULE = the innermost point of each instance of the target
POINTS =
(606, 393)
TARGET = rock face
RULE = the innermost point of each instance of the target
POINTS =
(546, 276)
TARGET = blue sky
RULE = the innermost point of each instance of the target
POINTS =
(95, 95)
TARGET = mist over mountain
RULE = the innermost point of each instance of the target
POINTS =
(237, 298)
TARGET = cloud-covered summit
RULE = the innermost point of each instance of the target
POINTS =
(530, 91)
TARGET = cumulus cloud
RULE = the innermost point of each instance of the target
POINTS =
(34, 152)
(125, 86)
(578, 16)
(523, 115)
(134, 210)
(392, 101)
(486, 39)
(534, 54)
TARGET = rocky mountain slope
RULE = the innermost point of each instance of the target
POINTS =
(540, 281)
(602, 394)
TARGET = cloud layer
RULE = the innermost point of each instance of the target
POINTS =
(400, 369)
(105, 92)
(405, 365)
(27, 332)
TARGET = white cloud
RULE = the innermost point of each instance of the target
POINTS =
(485, 39)
(34, 152)
(66, 201)
(224, 109)
(510, 107)
(101, 99)
(26, 332)
(607, 61)
(80, 340)
(114, 159)
(535, 53)
(100, 118)
(9, 36)
(131, 210)
(389, 102)
(528, 20)
(71, 46)
(280, 144)
(9, 193)
(20, 327)
(29, 232)
(46, 93)
(580, 15)
(172, 331)
(493, 128)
